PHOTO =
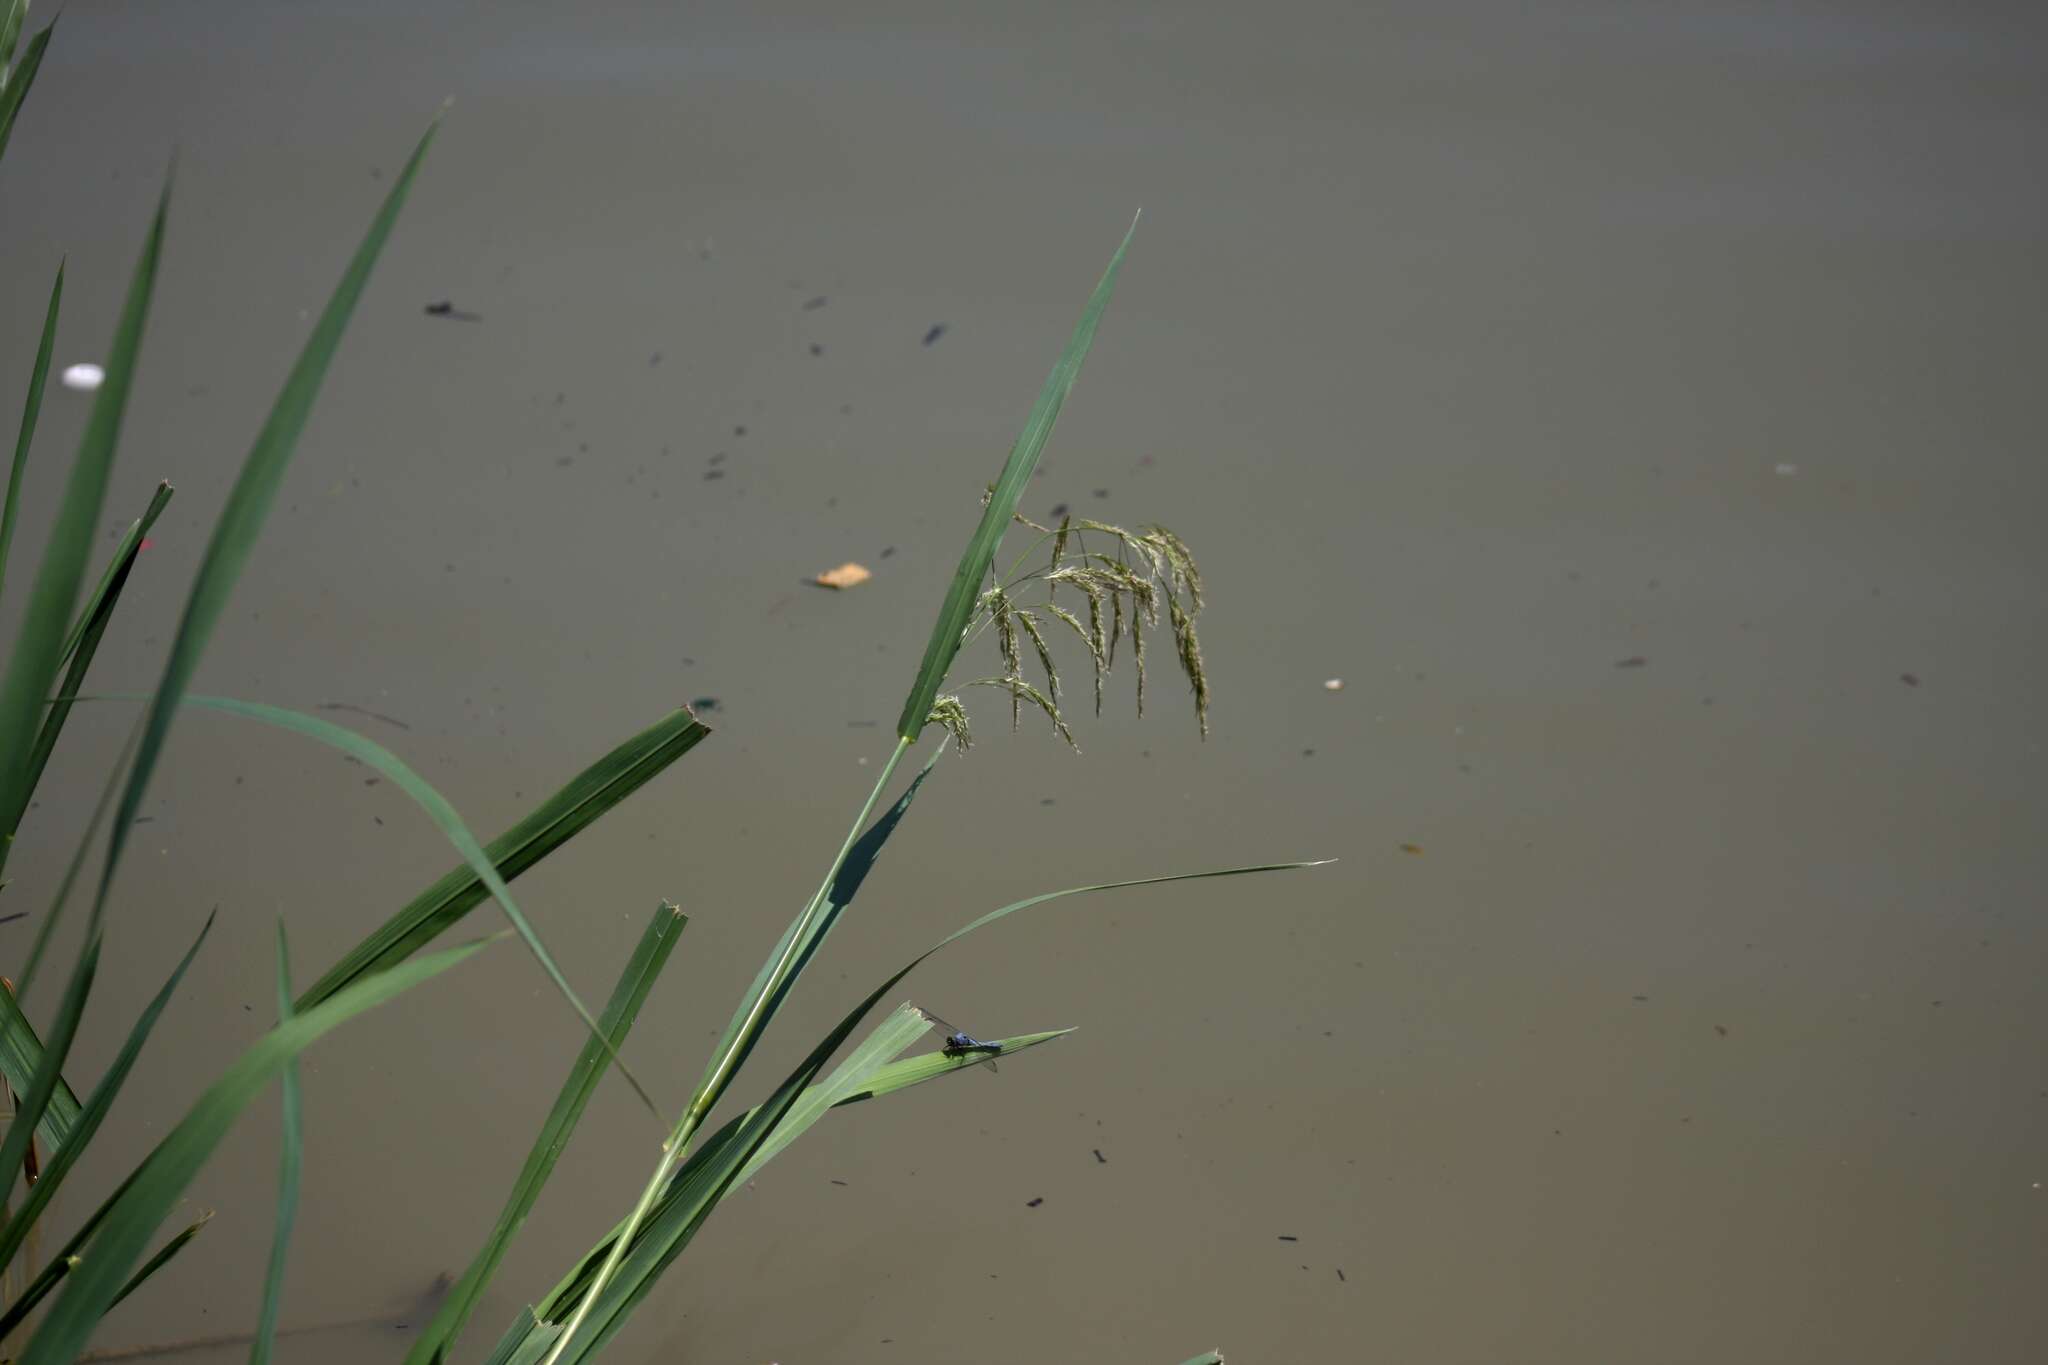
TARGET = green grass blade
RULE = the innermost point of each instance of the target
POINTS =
(778, 975)
(1206, 1358)
(162, 1258)
(635, 982)
(958, 608)
(547, 827)
(32, 1101)
(10, 34)
(61, 1264)
(849, 868)
(857, 1079)
(31, 409)
(20, 76)
(444, 815)
(80, 649)
(526, 1342)
(108, 590)
(63, 1157)
(39, 645)
(38, 1289)
(289, 1163)
(702, 1182)
(234, 536)
(21, 1052)
(743, 1146)
(869, 1073)
(157, 1185)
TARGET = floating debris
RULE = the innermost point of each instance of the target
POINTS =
(938, 329)
(1415, 849)
(816, 349)
(1285, 1238)
(1632, 661)
(84, 377)
(847, 575)
(1029, 1204)
(1333, 684)
(1721, 1029)
(813, 305)
(445, 308)
(706, 704)
(1910, 679)
(1100, 1159)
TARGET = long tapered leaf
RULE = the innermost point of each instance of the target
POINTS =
(814, 924)
(10, 33)
(444, 815)
(241, 521)
(62, 1263)
(31, 409)
(157, 1185)
(20, 76)
(547, 827)
(38, 646)
(80, 649)
(290, 1160)
(63, 1157)
(1206, 1358)
(163, 1257)
(634, 983)
(676, 1221)
(865, 1074)
(21, 1052)
(31, 1102)
(958, 608)
(119, 565)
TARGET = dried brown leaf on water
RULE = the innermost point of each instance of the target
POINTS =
(847, 575)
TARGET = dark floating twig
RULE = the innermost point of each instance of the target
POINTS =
(360, 711)
(1285, 1238)
(839, 1182)
(1100, 1159)
(1340, 1274)
(1632, 661)
(1034, 1203)
(938, 329)
(445, 308)
(9, 919)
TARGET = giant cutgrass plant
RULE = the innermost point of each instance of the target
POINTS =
(1127, 581)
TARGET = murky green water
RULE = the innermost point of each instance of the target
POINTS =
(1476, 348)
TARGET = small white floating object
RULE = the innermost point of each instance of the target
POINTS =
(1786, 471)
(1333, 684)
(83, 377)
